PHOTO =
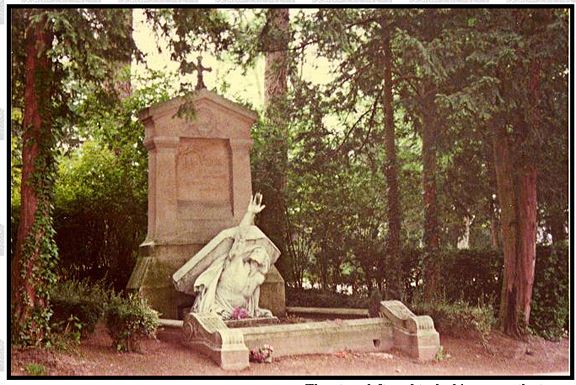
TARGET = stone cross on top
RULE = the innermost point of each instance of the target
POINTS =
(200, 68)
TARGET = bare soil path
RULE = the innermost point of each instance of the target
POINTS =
(166, 356)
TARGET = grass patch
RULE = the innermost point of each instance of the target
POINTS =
(34, 369)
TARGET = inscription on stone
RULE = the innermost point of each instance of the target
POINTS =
(203, 177)
(210, 322)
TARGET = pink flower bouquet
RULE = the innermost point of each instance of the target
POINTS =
(262, 354)
(239, 313)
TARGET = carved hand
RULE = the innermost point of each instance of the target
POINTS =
(256, 205)
(254, 208)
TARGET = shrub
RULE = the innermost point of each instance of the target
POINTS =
(100, 211)
(475, 277)
(472, 276)
(128, 320)
(458, 319)
(77, 306)
(550, 304)
(323, 298)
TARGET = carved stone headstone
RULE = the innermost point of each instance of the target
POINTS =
(199, 183)
(413, 334)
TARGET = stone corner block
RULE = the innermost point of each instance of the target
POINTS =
(414, 335)
(208, 334)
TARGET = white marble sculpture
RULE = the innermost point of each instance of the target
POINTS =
(228, 271)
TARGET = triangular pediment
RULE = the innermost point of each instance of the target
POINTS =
(214, 117)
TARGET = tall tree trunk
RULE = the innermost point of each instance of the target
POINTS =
(517, 197)
(431, 238)
(122, 84)
(323, 267)
(516, 177)
(495, 235)
(275, 38)
(391, 171)
(26, 276)
(276, 70)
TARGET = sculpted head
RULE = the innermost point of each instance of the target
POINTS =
(259, 267)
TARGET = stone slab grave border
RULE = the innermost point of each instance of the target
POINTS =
(397, 327)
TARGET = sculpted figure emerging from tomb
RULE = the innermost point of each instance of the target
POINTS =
(239, 259)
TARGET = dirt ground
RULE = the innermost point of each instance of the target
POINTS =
(166, 356)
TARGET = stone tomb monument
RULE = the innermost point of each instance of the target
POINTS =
(226, 275)
(199, 183)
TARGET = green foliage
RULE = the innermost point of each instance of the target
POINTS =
(100, 214)
(35, 331)
(38, 250)
(550, 311)
(101, 192)
(88, 44)
(83, 45)
(469, 282)
(474, 276)
(77, 306)
(128, 320)
(441, 354)
(267, 166)
(66, 334)
(323, 298)
(34, 369)
(471, 275)
(15, 173)
(458, 319)
(188, 31)
(471, 66)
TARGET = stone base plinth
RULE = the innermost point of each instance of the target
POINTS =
(152, 277)
(272, 293)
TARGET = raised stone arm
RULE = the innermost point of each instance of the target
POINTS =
(254, 208)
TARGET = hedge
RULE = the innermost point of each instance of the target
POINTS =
(472, 277)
